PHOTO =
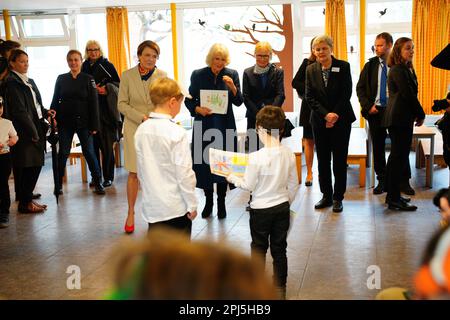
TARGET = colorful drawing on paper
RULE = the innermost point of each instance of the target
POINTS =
(223, 163)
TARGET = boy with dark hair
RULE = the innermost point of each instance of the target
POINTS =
(271, 176)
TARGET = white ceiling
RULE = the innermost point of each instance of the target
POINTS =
(27, 5)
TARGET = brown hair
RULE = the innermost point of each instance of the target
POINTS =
(395, 57)
(168, 266)
(312, 56)
(386, 36)
(6, 46)
(147, 44)
(271, 118)
(162, 89)
(72, 52)
(16, 53)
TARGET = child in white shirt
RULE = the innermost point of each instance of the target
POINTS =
(271, 176)
(164, 163)
(8, 138)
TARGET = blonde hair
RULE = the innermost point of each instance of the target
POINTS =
(167, 265)
(218, 49)
(92, 42)
(162, 89)
(263, 45)
(323, 38)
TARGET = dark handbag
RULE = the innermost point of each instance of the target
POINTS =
(288, 127)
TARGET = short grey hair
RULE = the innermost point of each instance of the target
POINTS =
(323, 38)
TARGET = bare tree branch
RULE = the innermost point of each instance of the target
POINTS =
(246, 31)
(275, 14)
(265, 20)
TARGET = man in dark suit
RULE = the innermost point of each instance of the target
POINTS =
(328, 93)
(372, 94)
(263, 84)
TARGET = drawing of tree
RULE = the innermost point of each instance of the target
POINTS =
(275, 25)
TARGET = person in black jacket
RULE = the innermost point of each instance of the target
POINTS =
(263, 84)
(103, 72)
(25, 110)
(328, 93)
(76, 104)
(299, 84)
(373, 100)
(403, 109)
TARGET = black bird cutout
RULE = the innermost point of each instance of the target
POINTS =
(267, 28)
(253, 27)
(373, 49)
(202, 23)
(352, 49)
(383, 12)
(323, 12)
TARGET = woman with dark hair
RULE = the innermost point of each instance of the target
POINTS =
(6, 46)
(75, 101)
(28, 115)
(299, 84)
(215, 76)
(403, 109)
(135, 104)
(103, 72)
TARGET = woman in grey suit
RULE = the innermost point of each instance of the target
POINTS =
(135, 104)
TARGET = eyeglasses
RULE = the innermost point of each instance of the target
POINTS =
(93, 50)
(263, 56)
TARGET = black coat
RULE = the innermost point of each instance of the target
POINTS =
(22, 112)
(367, 86)
(333, 98)
(403, 107)
(75, 101)
(299, 84)
(107, 119)
(205, 79)
(256, 97)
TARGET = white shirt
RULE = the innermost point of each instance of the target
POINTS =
(164, 169)
(24, 78)
(271, 175)
(6, 131)
(380, 70)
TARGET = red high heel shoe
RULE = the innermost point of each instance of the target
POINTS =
(129, 229)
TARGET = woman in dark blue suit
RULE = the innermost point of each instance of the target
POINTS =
(403, 109)
(328, 93)
(263, 84)
(213, 130)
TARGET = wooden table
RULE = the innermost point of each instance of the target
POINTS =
(424, 132)
(294, 142)
(357, 152)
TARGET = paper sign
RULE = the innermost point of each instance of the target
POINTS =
(222, 163)
(216, 100)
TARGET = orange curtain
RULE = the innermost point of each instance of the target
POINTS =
(335, 27)
(430, 33)
(118, 38)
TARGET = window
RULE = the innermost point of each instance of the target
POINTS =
(393, 11)
(2, 29)
(156, 26)
(91, 27)
(48, 27)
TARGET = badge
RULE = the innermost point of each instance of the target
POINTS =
(335, 69)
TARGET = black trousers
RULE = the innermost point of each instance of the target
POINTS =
(26, 184)
(401, 138)
(332, 142)
(104, 141)
(183, 224)
(269, 227)
(5, 171)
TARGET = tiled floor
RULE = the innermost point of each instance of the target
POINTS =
(328, 253)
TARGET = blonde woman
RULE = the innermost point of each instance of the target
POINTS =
(135, 104)
(215, 76)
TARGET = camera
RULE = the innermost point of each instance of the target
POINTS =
(441, 104)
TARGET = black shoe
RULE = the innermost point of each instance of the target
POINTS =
(207, 210)
(91, 184)
(337, 206)
(379, 189)
(402, 199)
(308, 183)
(36, 196)
(4, 222)
(406, 189)
(98, 188)
(221, 210)
(107, 183)
(323, 203)
(401, 206)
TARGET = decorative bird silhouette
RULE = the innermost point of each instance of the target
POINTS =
(227, 27)
(383, 12)
(253, 27)
(373, 49)
(323, 12)
(352, 49)
(267, 28)
(202, 23)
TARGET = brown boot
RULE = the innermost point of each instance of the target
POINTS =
(30, 207)
(37, 204)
